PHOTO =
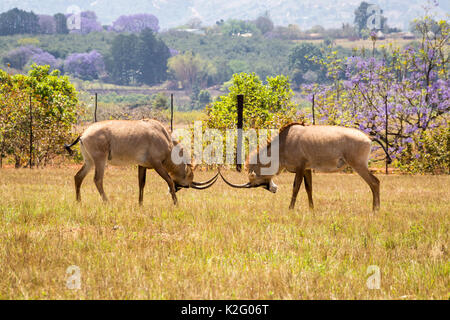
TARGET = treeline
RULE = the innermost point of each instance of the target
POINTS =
(16, 21)
(131, 51)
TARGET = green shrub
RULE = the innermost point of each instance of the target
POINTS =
(429, 154)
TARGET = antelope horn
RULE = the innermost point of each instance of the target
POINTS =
(204, 182)
(245, 185)
(205, 186)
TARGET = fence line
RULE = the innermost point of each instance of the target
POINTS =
(31, 135)
(240, 118)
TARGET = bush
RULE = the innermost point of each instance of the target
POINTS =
(266, 105)
(204, 97)
(160, 101)
(429, 154)
(55, 109)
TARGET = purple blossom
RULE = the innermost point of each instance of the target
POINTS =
(86, 66)
(19, 57)
(136, 23)
(416, 95)
(173, 52)
(44, 58)
(408, 140)
(47, 24)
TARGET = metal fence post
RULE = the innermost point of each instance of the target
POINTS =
(313, 114)
(171, 112)
(386, 128)
(240, 112)
(31, 136)
(95, 110)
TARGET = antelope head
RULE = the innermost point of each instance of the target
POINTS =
(184, 178)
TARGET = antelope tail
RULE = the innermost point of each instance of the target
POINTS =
(389, 160)
(67, 146)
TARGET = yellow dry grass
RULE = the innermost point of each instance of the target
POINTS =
(366, 44)
(222, 243)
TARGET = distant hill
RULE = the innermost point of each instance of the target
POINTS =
(171, 13)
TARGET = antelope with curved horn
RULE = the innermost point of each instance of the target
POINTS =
(323, 148)
(145, 143)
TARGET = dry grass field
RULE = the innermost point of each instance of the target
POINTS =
(222, 243)
(366, 44)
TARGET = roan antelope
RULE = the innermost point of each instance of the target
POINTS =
(145, 143)
(323, 148)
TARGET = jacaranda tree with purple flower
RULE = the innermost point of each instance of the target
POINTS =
(86, 66)
(47, 24)
(136, 23)
(43, 59)
(410, 86)
(18, 58)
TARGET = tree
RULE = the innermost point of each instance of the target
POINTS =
(19, 57)
(47, 24)
(136, 23)
(44, 59)
(191, 70)
(194, 23)
(86, 66)
(266, 105)
(55, 109)
(300, 61)
(60, 23)
(124, 65)
(204, 97)
(236, 27)
(409, 86)
(16, 21)
(361, 16)
(160, 101)
(140, 59)
(152, 56)
(264, 23)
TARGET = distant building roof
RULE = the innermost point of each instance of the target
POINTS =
(196, 31)
(315, 36)
(380, 35)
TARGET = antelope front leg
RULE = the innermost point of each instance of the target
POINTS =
(165, 175)
(297, 183)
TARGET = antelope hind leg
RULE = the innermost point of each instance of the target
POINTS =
(297, 183)
(308, 187)
(142, 175)
(79, 177)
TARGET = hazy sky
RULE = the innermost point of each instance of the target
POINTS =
(306, 13)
